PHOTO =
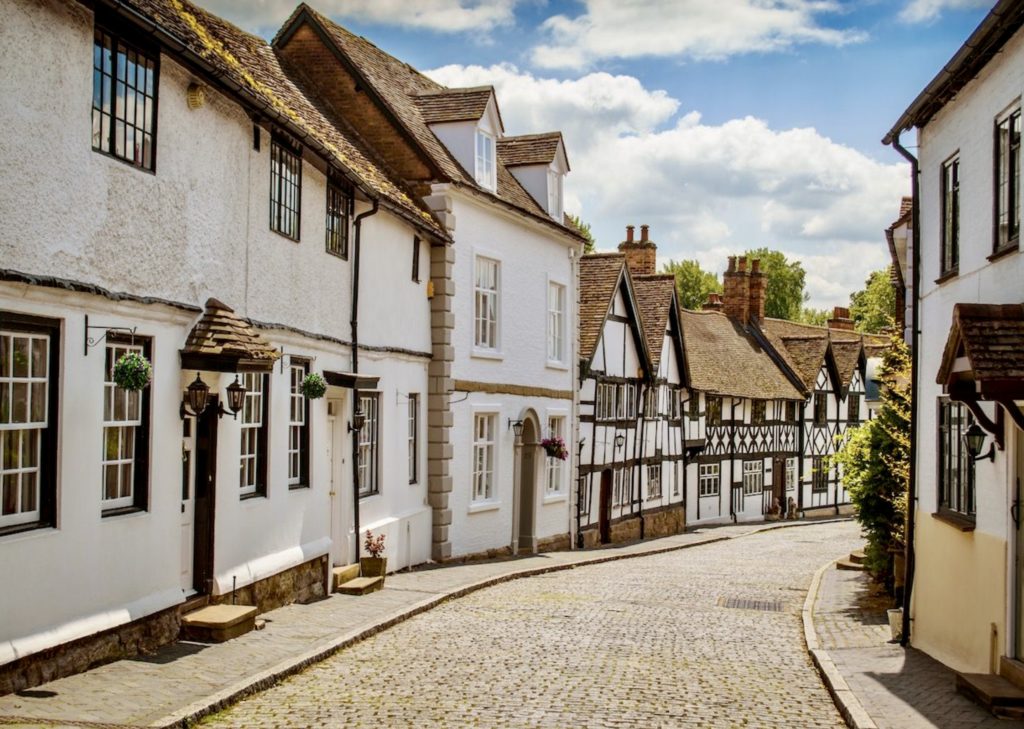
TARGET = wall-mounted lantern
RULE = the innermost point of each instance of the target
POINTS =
(197, 398)
(620, 440)
(516, 426)
(974, 440)
(358, 421)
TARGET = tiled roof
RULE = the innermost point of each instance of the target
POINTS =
(786, 328)
(991, 337)
(847, 357)
(805, 356)
(453, 105)
(529, 149)
(248, 62)
(725, 358)
(654, 296)
(906, 205)
(399, 86)
(220, 334)
(599, 276)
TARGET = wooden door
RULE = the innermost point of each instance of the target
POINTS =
(779, 484)
(204, 498)
(605, 514)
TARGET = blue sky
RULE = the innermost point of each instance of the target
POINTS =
(724, 124)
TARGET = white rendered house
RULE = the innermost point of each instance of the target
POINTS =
(965, 592)
(503, 307)
(164, 202)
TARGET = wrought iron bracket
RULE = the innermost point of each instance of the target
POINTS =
(91, 341)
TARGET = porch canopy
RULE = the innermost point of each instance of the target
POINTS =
(984, 360)
(222, 341)
(351, 380)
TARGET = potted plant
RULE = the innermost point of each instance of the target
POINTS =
(555, 448)
(132, 371)
(313, 386)
(374, 565)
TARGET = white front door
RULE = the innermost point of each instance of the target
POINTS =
(340, 483)
(187, 505)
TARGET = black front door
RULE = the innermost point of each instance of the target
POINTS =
(605, 505)
(205, 497)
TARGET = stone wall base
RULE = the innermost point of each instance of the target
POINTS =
(665, 522)
(141, 636)
(823, 511)
(557, 543)
(303, 583)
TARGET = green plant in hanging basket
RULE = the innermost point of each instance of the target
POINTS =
(313, 386)
(132, 371)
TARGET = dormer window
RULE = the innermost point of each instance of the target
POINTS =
(485, 170)
(555, 195)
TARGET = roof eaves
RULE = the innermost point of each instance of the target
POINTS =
(544, 219)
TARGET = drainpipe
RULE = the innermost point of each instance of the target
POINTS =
(354, 323)
(911, 516)
(732, 462)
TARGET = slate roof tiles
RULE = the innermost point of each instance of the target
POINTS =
(599, 276)
(529, 149)
(220, 333)
(991, 336)
(654, 296)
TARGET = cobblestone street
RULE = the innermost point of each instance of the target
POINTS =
(665, 640)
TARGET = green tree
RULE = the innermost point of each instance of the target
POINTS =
(693, 283)
(784, 294)
(873, 307)
(584, 228)
(817, 317)
(874, 460)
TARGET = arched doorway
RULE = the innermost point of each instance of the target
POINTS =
(524, 522)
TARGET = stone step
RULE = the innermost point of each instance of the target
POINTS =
(993, 692)
(1012, 670)
(361, 585)
(848, 564)
(341, 575)
(218, 623)
(857, 556)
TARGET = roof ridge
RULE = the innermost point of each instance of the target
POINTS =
(453, 89)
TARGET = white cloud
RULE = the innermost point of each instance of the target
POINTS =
(444, 16)
(922, 11)
(699, 29)
(707, 190)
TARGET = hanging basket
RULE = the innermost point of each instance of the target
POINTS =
(132, 372)
(313, 386)
(555, 448)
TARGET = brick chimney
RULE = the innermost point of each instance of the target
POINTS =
(641, 255)
(840, 319)
(736, 296)
(758, 282)
(714, 302)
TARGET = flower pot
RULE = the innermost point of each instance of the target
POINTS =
(373, 566)
(896, 623)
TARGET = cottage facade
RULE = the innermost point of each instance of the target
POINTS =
(206, 214)
(964, 598)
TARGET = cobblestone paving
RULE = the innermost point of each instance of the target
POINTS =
(900, 689)
(637, 643)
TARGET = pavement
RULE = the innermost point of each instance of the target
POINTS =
(186, 681)
(877, 683)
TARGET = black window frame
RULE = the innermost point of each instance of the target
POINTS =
(122, 36)
(50, 435)
(304, 482)
(143, 432)
(693, 406)
(416, 259)
(758, 412)
(959, 498)
(853, 407)
(338, 222)
(819, 475)
(284, 151)
(1012, 120)
(713, 409)
(949, 228)
(791, 411)
(820, 409)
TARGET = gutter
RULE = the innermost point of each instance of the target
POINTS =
(915, 277)
(354, 322)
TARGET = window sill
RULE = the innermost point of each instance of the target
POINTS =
(554, 365)
(958, 521)
(947, 276)
(368, 495)
(122, 511)
(555, 498)
(487, 354)
(125, 162)
(298, 486)
(286, 236)
(253, 495)
(337, 254)
(25, 529)
(482, 506)
(1011, 247)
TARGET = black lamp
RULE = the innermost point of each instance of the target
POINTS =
(974, 439)
(196, 398)
(620, 440)
(517, 427)
(358, 421)
(236, 396)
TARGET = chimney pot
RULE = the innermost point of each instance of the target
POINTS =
(629, 233)
(755, 265)
(644, 232)
(743, 263)
(732, 264)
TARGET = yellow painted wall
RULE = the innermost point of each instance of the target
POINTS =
(959, 591)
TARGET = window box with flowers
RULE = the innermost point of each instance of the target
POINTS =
(554, 447)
